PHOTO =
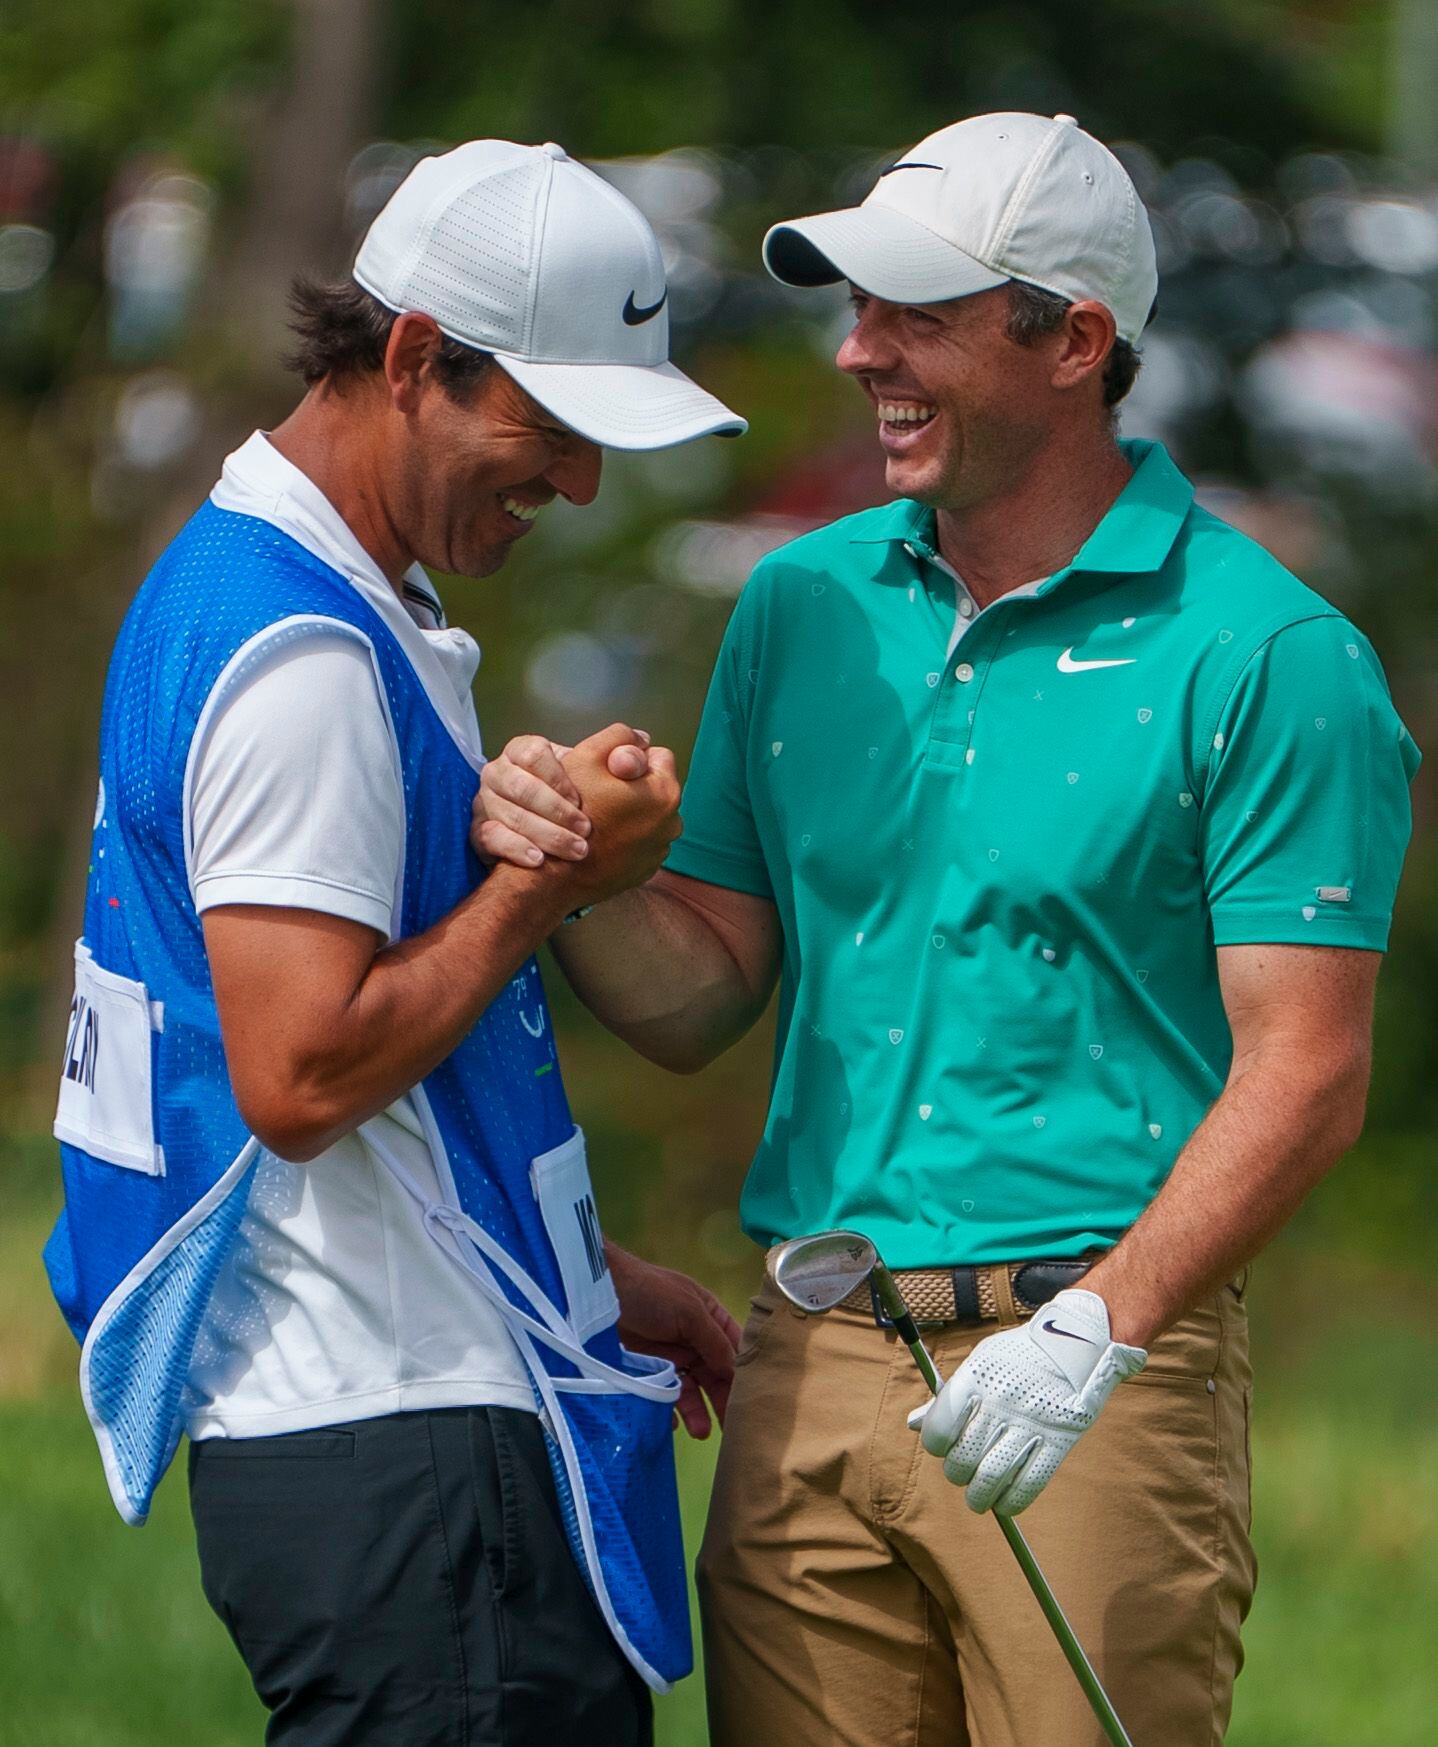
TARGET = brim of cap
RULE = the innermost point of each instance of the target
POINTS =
(625, 406)
(883, 252)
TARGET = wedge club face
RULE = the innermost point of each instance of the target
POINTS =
(819, 1272)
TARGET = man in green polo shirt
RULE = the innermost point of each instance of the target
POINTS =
(1069, 824)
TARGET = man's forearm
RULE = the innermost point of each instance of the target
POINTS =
(413, 1004)
(655, 970)
(1277, 1129)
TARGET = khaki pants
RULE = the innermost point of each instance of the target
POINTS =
(851, 1599)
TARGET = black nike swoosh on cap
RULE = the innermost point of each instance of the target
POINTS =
(1052, 1328)
(633, 315)
(910, 165)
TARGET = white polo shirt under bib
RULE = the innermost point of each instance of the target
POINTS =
(336, 1304)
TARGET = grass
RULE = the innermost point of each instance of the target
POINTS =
(1340, 1642)
(104, 1636)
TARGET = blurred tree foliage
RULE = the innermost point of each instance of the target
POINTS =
(816, 74)
(97, 84)
(797, 92)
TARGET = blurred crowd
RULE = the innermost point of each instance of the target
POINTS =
(1295, 340)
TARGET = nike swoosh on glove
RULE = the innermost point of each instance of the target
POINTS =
(1020, 1401)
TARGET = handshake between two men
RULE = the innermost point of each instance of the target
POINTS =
(614, 793)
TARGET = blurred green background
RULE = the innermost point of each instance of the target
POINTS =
(165, 165)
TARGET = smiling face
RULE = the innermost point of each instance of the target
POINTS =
(473, 473)
(962, 409)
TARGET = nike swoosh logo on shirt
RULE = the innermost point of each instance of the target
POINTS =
(1067, 664)
(1052, 1328)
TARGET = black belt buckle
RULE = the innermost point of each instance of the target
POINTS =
(1035, 1283)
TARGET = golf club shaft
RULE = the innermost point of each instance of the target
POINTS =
(892, 1300)
(886, 1288)
(1068, 1641)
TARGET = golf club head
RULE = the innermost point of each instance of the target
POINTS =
(818, 1272)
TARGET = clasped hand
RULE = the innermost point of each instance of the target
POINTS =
(608, 807)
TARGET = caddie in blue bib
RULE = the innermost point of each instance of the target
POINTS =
(158, 1162)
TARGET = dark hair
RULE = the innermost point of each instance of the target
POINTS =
(343, 331)
(1034, 312)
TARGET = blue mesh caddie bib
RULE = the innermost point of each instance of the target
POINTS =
(156, 1158)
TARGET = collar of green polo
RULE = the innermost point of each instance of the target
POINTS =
(1136, 535)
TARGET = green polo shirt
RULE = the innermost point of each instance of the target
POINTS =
(1002, 872)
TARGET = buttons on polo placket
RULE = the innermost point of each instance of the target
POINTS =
(951, 728)
(952, 724)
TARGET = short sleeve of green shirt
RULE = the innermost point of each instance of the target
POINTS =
(721, 843)
(1306, 813)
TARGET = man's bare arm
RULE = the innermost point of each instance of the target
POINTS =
(677, 968)
(324, 1025)
(680, 969)
(1294, 1103)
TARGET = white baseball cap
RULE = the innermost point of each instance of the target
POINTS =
(521, 252)
(993, 198)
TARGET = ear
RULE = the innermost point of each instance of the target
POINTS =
(1084, 344)
(408, 358)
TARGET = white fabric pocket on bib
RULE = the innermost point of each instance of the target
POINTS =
(104, 1106)
(566, 1200)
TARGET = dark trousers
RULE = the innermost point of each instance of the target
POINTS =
(407, 1582)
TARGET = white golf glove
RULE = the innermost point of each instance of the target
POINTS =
(1016, 1406)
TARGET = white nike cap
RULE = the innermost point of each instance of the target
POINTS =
(996, 197)
(521, 252)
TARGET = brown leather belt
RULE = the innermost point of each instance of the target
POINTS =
(975, 1293)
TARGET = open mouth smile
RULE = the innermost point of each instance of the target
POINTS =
(903, 422)
(519, 516)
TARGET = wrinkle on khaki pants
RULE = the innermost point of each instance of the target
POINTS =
(850, 1598)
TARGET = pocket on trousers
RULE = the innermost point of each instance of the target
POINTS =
(1152, 1379)
(326, 1444)
(496, 1466)
(1186, 1355)
(756, 1326)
